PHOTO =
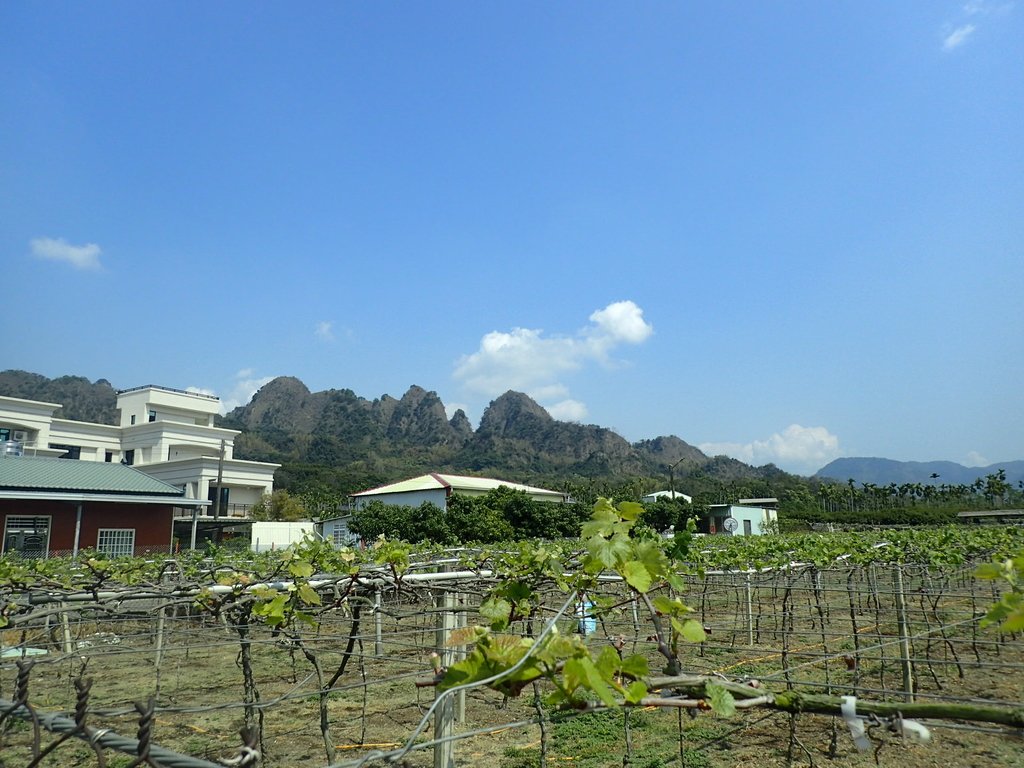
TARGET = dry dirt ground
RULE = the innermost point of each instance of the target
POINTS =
(198, 690)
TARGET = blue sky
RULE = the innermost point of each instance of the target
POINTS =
(783, 231)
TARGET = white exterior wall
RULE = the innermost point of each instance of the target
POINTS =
(277, 535)
(758, 517)
(31, 417)
(182, 407)
(181, 447)
(156, 441)
(436, 496)
(248, 480)
(652, 497)
(94, 439)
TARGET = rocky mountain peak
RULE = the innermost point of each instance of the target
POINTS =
(419, 417)
(669, 449)
(514, 415)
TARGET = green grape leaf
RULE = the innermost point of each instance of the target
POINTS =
(497, 612)
(720, 700)
(989, 571)
(636, 692)
(308, 595)
(637, 576)
(690, 630)
(630, 510)
(600, 523)
(583, 672)
(635, 666)
(609, 552)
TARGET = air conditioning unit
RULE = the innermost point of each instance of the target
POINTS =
(19, 435)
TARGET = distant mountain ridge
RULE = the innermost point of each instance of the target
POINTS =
(287, 423)
(80, 399)
(885, 471)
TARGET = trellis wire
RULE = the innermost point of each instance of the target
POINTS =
(831, 607)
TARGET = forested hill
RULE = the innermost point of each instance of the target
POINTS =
(885, 471)
(387, 438)
(80, 399)
(516, 438)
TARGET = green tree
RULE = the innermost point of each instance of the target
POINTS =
(996, 487)
(280, 506)
(472, 520)
(665, 513)
(378, 519)
(430, 523)
(427, 522)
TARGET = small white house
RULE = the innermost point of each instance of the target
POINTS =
(652, 497)
(741, 520)
(437, 488)
(336, 531)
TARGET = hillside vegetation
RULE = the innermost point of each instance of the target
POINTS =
(333, 443)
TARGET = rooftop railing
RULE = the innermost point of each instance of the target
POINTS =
(167, 389)
(227, 511)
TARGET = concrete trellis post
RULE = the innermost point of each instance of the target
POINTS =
(750, 610)
(444, 715)
(378, 625)
(901, 616)
(459, 655)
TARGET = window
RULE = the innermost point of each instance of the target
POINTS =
(5, 434)
(27, 536)
(152, 415)
(747, 528)
(341, 537)
(108, 456)
(129, 457)
(70, 451)
(133, 419)
(225, 492)
(116, 542)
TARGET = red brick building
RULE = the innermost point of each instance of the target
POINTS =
(57, 507)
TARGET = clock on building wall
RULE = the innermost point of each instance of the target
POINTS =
(730, 524)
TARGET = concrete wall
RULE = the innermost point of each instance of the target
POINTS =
(269, 536)
(436, 496)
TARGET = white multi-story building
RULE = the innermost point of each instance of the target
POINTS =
(167, 433)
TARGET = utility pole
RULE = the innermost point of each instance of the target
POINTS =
(220, 479)
(672, 479)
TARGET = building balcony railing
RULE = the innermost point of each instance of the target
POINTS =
(228, 511)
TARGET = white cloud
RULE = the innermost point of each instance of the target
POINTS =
(980, 11)
(244, 386)
(957, 37)
(549, 392)
(975, 459)
(986, 8)
(79, 256)
(621, 321)
(803, 450)
(451, 408)
(324, 330)
(567, 410)
(526, 360)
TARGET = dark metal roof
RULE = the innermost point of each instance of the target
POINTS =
(32, 473)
